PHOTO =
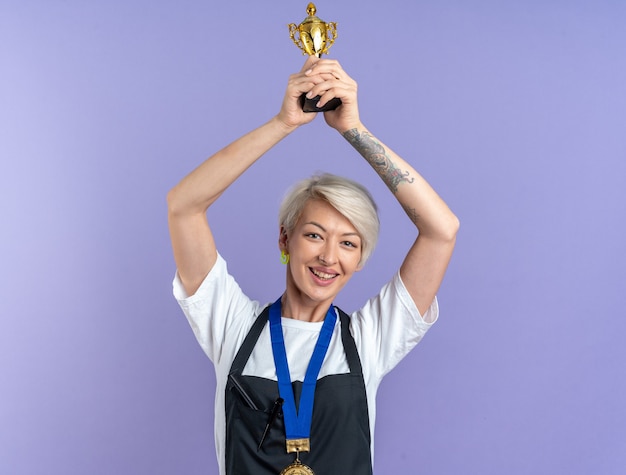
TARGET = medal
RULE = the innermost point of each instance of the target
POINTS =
(297, 468)
(298, 422)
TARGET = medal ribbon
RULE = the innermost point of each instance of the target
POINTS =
(298, 422)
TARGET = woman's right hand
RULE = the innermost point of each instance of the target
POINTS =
(291, 114)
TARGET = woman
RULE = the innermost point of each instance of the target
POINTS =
(297, 395)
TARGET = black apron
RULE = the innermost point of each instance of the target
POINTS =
(340, 432)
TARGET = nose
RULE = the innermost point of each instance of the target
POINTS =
(328, 256)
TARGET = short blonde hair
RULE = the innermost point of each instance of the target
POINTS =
(348, 197)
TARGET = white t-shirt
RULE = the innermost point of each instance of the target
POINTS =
(221, 315)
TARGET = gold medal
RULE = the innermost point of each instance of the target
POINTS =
(297, 468)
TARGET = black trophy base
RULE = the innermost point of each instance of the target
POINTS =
(309, 105)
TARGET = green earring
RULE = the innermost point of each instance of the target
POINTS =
(284, 257)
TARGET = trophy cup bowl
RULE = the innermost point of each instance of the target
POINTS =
(314, 37)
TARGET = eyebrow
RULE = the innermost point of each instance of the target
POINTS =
(324, 229)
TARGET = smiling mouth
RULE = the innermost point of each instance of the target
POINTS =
(322, 275)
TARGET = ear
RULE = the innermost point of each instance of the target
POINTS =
(283, 238)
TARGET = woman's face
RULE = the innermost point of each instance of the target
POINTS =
(324, 251)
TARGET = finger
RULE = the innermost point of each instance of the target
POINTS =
(325, 76)
(331, 94)
(304, 83)
(327, 66)
(309, 63)
(340, 88)
(326, 63)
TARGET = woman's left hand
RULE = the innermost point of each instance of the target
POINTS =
(335, 82)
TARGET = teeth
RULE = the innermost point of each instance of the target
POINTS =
(323, 275)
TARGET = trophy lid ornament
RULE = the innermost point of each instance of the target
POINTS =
(313, 36)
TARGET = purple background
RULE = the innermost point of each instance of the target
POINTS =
(516, 113)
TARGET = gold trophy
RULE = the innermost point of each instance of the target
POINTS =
(314, 37)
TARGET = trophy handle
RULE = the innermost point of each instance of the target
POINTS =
(331, 35)
(293, 29)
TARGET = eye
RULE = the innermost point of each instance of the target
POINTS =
(350, 244)
(313, 235)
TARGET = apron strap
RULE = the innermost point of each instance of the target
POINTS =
(248, 344)
(349, 346)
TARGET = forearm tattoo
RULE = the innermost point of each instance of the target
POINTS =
(377, 157)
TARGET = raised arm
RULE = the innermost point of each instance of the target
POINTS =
(192, 241)
(425, 264)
